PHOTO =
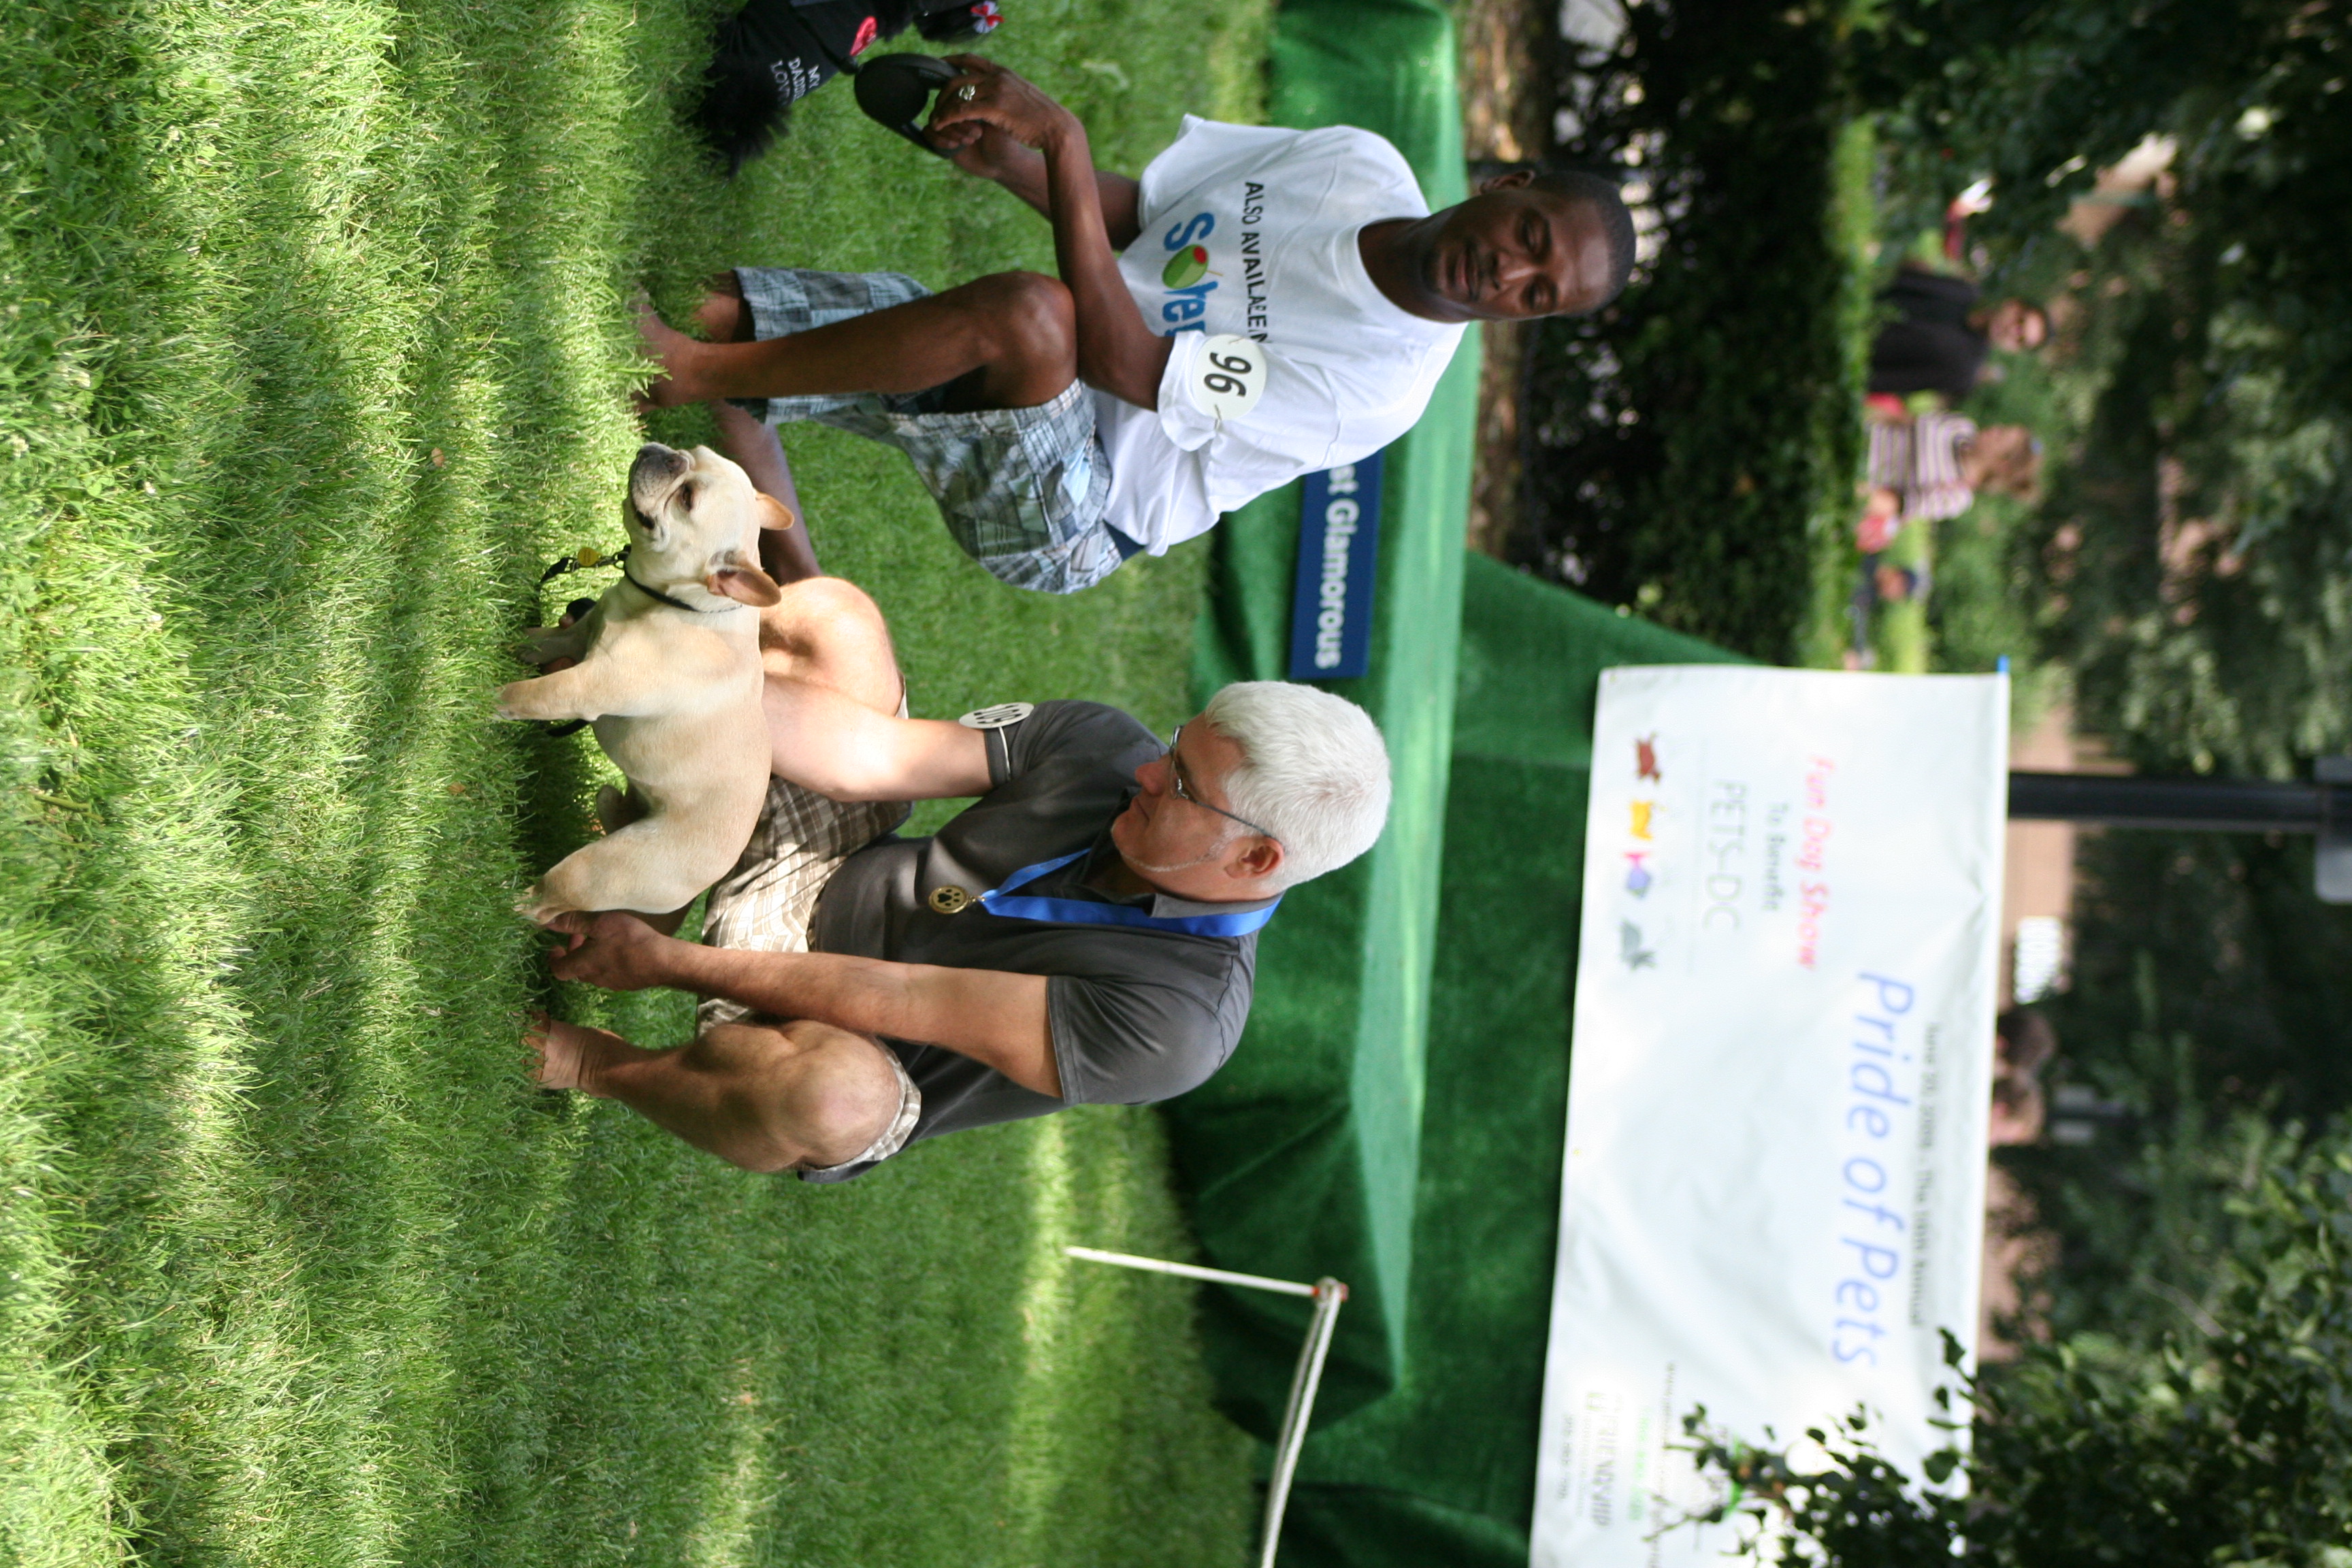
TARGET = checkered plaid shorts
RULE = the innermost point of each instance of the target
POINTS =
(765, 903)
(1022, 490)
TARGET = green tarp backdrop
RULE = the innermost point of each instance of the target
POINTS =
(1442, 1470)
(1440, 1467)
(1395, 1113)
(1301, 1155)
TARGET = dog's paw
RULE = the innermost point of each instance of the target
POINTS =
(528, 699)
(542, 646)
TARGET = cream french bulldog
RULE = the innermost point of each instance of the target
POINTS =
(669, 674)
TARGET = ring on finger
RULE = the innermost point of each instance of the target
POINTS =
(967, 92)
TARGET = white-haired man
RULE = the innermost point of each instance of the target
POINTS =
(1084, 932)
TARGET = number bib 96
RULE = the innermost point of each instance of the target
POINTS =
(1228, 376)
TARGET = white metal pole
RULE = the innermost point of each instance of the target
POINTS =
(1190, 1270)
(1329, 1295)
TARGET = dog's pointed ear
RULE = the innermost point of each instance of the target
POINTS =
(772, 512)
(744, 585)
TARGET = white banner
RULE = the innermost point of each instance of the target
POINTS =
(1774, 1185)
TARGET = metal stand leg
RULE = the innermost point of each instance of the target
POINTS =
(1329, 1295)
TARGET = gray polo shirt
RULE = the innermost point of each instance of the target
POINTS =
(1137, 1014)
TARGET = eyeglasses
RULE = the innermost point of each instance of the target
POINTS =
(1184, 790)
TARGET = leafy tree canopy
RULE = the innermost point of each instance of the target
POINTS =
(2196, 563)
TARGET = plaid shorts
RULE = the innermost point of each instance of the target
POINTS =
(1022, 490)
(764, 905)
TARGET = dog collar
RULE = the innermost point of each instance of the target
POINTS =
(666, 599)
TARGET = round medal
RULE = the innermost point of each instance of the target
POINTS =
(1002, 716)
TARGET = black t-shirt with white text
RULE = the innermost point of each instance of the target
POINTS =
(1930, 346)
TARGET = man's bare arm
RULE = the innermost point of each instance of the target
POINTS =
(1117, 351)
(824, 741)
(1115, 193)
(982, 149)
(996, 1018)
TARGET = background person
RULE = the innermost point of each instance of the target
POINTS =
(1881, 583)
(1066, 423)
(1928, 466)
(2024, 1046)
(1943, 333)
(1084, 932)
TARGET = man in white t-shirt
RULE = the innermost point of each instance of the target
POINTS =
(1262, 304)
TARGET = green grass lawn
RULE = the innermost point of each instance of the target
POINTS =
(1975, 614)
(1900, 635)
(1824, 630)
(313, 352)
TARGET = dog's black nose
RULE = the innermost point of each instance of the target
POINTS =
(655, 461)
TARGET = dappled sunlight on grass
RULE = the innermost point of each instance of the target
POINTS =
(1038, 1429)
(314, 351)
(1076, 1319)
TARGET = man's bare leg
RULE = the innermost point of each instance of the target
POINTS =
(1009, 341)
(825, 629)
(788, 554)
(724, 315)
(764, 1097)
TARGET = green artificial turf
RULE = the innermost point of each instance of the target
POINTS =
(312, 351)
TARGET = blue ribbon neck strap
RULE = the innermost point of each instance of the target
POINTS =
(1085, 911)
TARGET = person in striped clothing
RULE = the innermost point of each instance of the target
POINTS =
(1929, 466)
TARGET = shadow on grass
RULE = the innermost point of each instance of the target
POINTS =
(322, 1275)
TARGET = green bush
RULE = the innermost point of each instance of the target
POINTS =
(2209, 993)
(1689, 441)
(2229, 1447)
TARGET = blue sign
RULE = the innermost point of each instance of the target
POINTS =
(1338, 540)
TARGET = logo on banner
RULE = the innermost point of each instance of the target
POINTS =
(1644, 822)
(1338, 542)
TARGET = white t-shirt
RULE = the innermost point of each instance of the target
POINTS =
(1252, 230)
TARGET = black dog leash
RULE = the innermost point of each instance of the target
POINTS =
(585, 556)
